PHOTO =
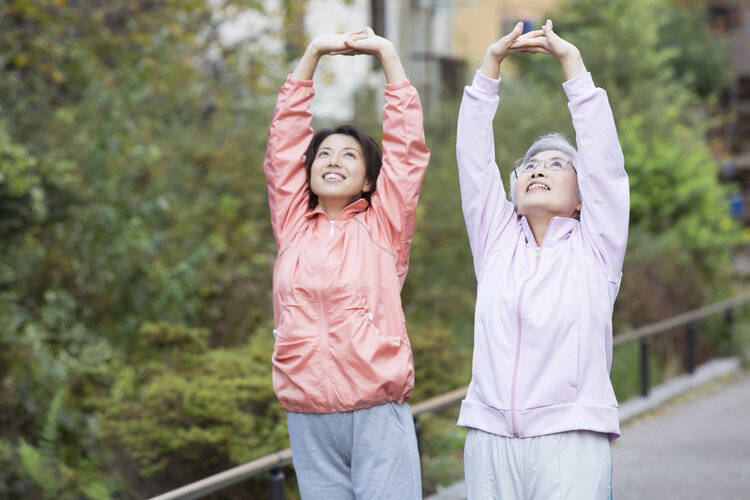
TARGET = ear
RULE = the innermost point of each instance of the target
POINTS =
(366, 187)
(578, 207)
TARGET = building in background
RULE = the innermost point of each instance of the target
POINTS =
(730, 19)
(440, 41)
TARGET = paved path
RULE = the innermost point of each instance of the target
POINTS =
(698, 449)
(694, 447)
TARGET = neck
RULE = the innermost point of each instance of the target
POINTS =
(334, 206)
(538, 222)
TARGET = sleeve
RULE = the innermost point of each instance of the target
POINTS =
(487, 212)
(405, 160)
(605, 195)
(289, 135)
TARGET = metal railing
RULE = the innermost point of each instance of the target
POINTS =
(275, 462)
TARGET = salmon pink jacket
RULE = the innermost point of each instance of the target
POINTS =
(543, 319)
(341, 342)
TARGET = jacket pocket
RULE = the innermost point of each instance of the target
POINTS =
(294, 321)
(379, 364)
(296, 376)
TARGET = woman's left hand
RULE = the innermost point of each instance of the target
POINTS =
(367, 42)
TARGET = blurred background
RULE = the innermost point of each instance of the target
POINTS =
(135, 244)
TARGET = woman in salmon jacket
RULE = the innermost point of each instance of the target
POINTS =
(540, 410)
(342, 362)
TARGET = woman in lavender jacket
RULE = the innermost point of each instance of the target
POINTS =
(540, 410)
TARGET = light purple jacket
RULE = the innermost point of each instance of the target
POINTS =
(543, 320)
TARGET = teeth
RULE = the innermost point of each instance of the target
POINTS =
(332, 177)
(537, 184)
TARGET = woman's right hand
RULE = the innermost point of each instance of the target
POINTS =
(501, 49)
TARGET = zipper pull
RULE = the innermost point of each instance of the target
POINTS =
(331, 228)
(538, 252)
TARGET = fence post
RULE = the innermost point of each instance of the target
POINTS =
(276, 484)
(730, 316)
(691, 347)
(418, 432)
(644, 367)
(730, 324)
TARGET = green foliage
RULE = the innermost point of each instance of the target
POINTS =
(210, 407)
(136, 252)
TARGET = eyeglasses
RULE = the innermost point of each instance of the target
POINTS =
(523, 165)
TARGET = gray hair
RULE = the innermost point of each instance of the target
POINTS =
(554, 141)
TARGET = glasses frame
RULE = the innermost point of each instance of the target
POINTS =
(545, 164)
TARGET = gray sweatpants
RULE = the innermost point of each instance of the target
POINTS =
(363, 454)
(574, 465)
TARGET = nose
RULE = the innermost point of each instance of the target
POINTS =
(537, 173)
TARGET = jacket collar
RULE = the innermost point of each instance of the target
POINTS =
(559, 230)
(347, 213)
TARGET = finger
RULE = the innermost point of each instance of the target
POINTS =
(547, 28)
(353, 36)
(369, 31)
(534, 42)
(355, 39)
(538, 50)
(531, 34)
(531, 41)
(345, 52)
(515, 32)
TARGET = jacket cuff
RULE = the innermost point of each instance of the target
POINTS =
(398, 85)
(298, 83)
(580, 85)
(485, 84)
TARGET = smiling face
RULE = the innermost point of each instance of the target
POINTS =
(553, 192)
(338, 170)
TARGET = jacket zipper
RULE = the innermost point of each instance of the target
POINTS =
(332, 227)
(518, 344)
(324, 351)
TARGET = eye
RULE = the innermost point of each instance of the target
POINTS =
(322, 153)
(530, 165)
(557, 164)
(349, 155)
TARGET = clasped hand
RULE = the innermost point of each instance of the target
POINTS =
(363, 41)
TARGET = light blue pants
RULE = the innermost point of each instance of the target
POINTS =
(574, 465)
(364, 454)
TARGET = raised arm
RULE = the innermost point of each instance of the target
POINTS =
(483, 201)
(605, 195)
(405, 153)
(288, 137)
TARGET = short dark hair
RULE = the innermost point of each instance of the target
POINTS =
(370, 151)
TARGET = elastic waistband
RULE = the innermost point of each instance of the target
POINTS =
(543, 420)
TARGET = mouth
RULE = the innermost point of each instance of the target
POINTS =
(332, 177)
(537, 186)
